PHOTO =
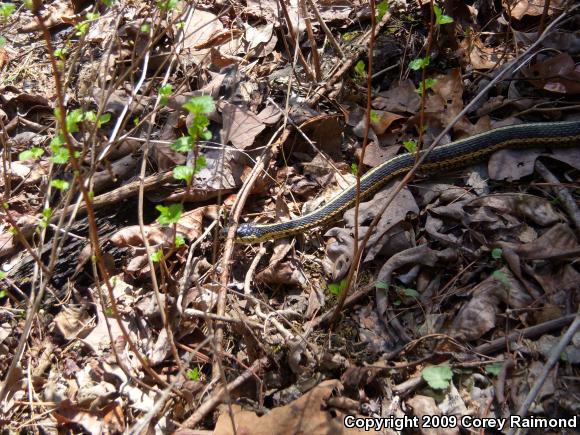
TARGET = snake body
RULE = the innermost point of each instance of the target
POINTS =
(456, 154)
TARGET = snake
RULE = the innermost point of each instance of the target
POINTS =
(456, 154)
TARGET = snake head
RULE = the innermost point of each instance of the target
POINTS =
(246, 234)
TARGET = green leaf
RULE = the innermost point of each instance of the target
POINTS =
(337, 288)
(419, 63)
(3, 292)
(374, 116)
(441, 19)
(193, 374)
(46, 215)
(6, 9)
(157, 256)
(410, 145)
(360, 69)
(382, 9)
(92, 16)
(501, 277)
(381, 285)
(167, 5)
(164, 93)
(183, 173)
(200, 163)
(169, 215)
(60, 184)
(2, 274)
(427, 84)
(31, 154)
(437, 377)
(82, 28)
(412, 293)
(179, 241)
(2, 41)
(354, 169)
(493, 369)
(103, 119)
(72, 120)
(60, 155)
(496, 253)
(57, 141)
(183, 144)
(60, 53)
(201, 105)
(145, 28)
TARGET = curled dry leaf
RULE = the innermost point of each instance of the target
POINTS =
(529, 207)
(478, 55)
(288, 272)
(340, 245)
(417, 255)
(426, 406)
(202, 27)
(533, 8)
(446, 102)
(557, 74)
(72, 321)
(479, 315)
(513, 165)
(557, 241)
(308, 414)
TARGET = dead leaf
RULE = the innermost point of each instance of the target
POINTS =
(381, 120)
(401, 98)
(513, 165)
(307, 414)
(202, 28)
(425, 406)
(72, 321)
(533, 8)
(57, 13)
(558, 74)
(558, 240)
(479, 56)
(479, 315)
(530, 207)
(240, 127)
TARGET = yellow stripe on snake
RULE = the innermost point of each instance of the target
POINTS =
(456, 154)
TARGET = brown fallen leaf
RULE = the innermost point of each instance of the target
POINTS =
(307, 414)
(478, 316)
(513, 165)
(426, 406)
(533, 8)
(530, 207)
(202, 27)
(401, 98)
(240, 126)
(558, 74)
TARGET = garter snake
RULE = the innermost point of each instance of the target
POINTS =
(450, 156)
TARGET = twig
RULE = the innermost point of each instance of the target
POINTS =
(552, 360)
(325, 28)
(352, 272)
(531, 332)
(568, 202)
(261, 165)
(217, 397)
(347, 65)
(313, 45)
(252, 269)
